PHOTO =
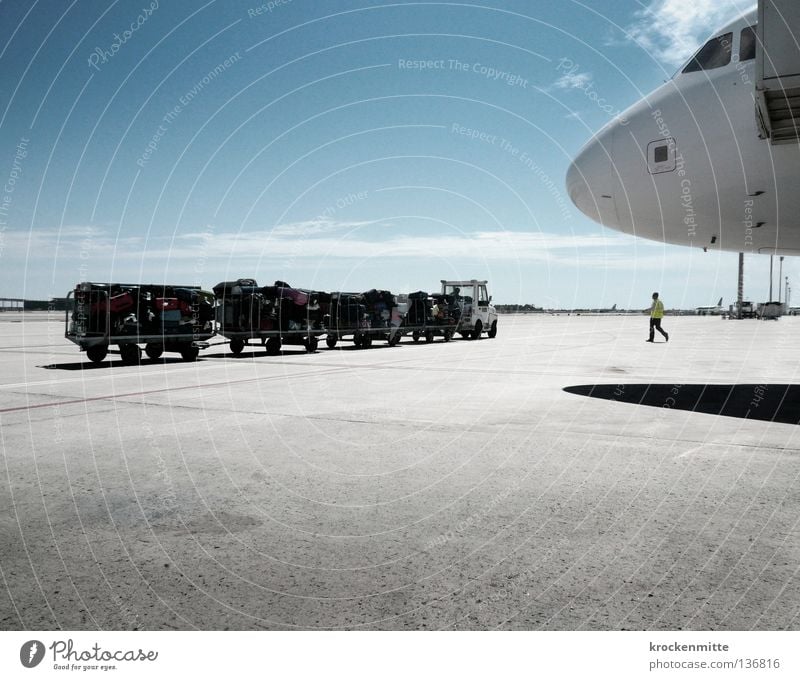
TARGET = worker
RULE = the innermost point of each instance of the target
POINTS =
(656, 314)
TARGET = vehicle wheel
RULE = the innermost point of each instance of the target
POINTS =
(153, 350)
(415, 336)
(273, 346)
(331, 341)
(311, 344)
(130, 353)
(429, 336)
(493, 330)
(476, 334)
(236, 346)
(190, 353)
(97, 353)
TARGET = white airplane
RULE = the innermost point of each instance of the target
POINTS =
(714, 310)
(711, 158)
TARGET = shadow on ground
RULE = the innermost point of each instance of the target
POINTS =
(778, 403)
(92, 366)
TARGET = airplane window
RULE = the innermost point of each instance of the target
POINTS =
(747, 44)
(661, 154)
(715, 53)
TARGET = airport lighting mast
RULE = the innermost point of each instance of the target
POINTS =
(769, 299)
(740, 288)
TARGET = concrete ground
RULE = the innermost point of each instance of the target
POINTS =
(444, 486)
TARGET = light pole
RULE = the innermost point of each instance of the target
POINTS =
(740, 287)
(770, 279)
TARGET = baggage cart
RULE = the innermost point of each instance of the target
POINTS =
(273, 315)
(364, 317)
(160, 317)
(347, 317)
(429, 316)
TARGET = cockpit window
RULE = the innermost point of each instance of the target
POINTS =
(747, 44)
(715, 53)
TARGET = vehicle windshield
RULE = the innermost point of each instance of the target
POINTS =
(714, 54)
(459, 291)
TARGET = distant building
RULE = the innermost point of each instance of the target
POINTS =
(11, 304)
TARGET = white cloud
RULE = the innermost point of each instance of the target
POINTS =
(672, 30)
(483, 245)
(331, 240)
(316, 227)
(573, 81)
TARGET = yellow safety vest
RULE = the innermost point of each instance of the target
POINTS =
(658, 310)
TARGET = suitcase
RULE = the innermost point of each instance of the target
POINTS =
(118, 304)
(168, 304)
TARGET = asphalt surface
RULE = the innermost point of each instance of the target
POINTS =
(442, 486)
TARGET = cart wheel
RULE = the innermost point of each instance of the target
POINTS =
(476, 334)
(311, 344)
(493, 330)
(447, 335)
(130, 353)
(273, 346)
(190, 353)
(415, 336)
(331, 341)
(97, 353)
(153, 350)
(428, 336)
(236, 346)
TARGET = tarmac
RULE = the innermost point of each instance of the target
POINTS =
(531, 481)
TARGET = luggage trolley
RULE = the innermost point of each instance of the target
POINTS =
(365, 317)
(347, 316)
(383, 315)
(275, 315)
(163, 318)
(429, 316)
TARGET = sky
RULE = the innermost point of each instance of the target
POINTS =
(342, 145)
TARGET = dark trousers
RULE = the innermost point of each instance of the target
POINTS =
(655, 325)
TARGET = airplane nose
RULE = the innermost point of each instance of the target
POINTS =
(590, 181)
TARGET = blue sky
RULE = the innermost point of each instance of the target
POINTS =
(336, 145)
